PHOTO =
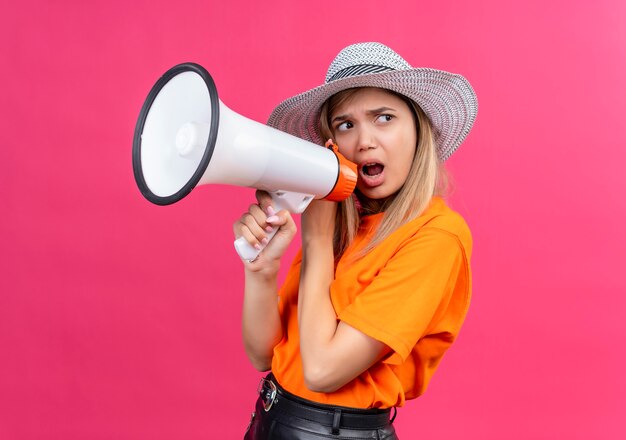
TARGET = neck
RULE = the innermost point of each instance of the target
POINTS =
(373, 206)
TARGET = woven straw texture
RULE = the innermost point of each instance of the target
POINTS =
(448, 99)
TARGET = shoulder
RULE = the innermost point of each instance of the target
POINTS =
(441, 220)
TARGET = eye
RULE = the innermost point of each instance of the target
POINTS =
(384, 118)
(347, 125)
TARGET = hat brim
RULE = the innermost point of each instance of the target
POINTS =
(447, 99)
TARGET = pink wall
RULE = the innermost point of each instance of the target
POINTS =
(120, 319)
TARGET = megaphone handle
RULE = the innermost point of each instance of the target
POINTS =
(248, 252)
(293, 202)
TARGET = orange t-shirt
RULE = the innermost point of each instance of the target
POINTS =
(411, 292)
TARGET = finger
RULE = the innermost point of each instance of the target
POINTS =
(260, 216)
(280, 218)
(250, 238)
(285, 232)
(264, 198)
(254, 228)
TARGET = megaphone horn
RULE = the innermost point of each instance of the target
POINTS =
(185, 136)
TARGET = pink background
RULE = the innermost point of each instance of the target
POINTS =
(120, 319)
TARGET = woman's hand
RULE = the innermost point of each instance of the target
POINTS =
(257, 223)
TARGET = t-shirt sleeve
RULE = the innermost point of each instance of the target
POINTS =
(411, 291)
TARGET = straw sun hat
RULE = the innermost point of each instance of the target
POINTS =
(448, 99)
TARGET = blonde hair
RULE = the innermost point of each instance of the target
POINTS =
(426, 178)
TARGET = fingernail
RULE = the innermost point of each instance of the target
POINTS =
(257, 247)
(270, 211)
(268, 229)
(272, 219)
(265, 241)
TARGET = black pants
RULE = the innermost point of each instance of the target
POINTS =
(280, 415)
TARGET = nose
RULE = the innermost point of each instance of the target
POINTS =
(366, 140)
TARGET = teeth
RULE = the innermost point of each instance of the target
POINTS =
(372, 169)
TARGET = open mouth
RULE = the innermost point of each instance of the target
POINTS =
(372, 174)
(372, 169)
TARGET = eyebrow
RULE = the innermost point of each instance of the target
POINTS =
(374, 111)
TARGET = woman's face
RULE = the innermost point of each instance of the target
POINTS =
(376, 130)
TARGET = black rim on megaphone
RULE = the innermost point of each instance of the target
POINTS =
(208, 152)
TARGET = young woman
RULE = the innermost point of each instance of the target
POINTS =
(382, 283)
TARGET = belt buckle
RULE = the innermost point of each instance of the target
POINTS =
(268, 396)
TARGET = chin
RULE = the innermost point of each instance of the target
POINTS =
(375, 193)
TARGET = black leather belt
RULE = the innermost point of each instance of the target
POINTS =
(276, 399)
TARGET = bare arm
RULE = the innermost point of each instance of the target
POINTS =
(261, 324)
(333, 353)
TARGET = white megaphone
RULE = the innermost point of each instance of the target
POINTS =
(185, 136)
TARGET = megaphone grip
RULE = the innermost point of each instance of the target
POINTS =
(248, 252)
(291, 201)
